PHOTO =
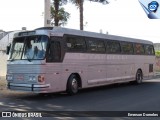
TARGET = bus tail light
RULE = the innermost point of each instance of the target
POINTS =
(40, 78)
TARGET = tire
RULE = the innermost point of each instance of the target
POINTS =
(72, 85)
(139, 77)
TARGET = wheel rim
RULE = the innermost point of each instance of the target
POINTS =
(74, 85)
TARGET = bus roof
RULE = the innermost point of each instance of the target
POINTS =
(59, 31)
(62, 31)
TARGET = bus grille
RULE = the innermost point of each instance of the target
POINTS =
(24, 68)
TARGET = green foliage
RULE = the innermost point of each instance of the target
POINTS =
(157, 53)
(58, 13)
(77, 2)
(60, 16)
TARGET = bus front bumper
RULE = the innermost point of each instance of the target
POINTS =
(37, 88)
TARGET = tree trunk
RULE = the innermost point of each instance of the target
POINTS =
(81, 14)
(56, 5)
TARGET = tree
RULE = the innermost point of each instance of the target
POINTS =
(58, 13)
(79, 4)
(157, 53)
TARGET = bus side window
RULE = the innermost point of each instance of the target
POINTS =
(76, 44)
(127, 47)
(96, 45)
(113, 47)
(54, 52)
(139, 48)
(149, 50)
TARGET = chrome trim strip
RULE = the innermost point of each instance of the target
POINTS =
(109, 79)
(20, 85)
(39, 86)
(29, 85)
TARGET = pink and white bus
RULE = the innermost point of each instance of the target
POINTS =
(59, 59)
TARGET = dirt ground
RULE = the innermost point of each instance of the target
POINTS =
(3, 83)
(3, 88)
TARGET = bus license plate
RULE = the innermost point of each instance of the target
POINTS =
(20, 77)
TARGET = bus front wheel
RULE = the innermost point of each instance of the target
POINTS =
(72, 85)
(139, 77)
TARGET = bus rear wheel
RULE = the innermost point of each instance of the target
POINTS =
(139, 77)
(72, 85)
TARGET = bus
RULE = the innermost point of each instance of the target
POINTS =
(56, 59)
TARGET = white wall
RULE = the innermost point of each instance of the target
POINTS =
(3, 57)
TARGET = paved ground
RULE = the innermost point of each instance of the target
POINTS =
(123, 97)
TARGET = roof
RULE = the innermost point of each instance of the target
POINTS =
(59, 31)
(62, 31)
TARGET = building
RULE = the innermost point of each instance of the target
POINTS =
(7, 38)
(2, 34)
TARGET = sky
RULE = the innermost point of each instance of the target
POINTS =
(120, 17)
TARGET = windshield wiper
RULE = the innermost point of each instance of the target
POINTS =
(31, 58)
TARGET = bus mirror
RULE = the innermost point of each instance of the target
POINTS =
(8, 48)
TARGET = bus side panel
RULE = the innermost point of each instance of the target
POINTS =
(146, 64)
(96, 69)
(54, 73)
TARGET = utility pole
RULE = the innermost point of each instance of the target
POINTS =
(47, 13)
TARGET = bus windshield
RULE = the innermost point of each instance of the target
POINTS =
(30, 48)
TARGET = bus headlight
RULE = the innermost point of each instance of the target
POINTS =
(32, 78)
(9, 77)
